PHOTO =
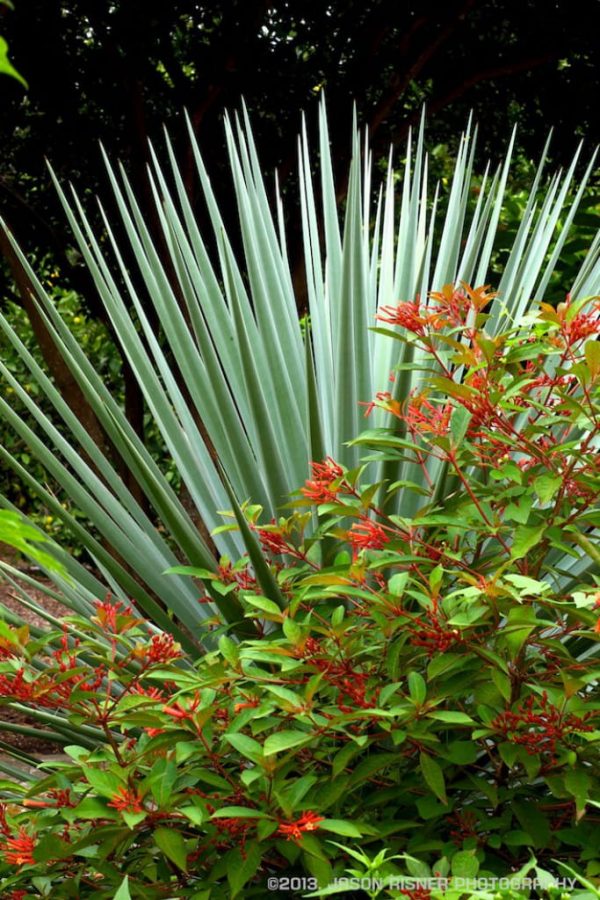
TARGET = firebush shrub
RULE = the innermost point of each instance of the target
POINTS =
(419, 699)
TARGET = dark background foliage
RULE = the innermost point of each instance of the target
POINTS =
(116, 71)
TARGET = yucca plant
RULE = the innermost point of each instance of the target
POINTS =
(270, 398)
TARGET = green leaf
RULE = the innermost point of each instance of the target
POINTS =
(244, 868)
(444, 662)
(162, 778)
(521, 621)
(172, 845)
(430, 807)
(594, 891)
(245, 745)
(592, 357)
(371, 764)
(133, 819)
(343, 757)
(417, 688)
(462, 752)
(265, 605)
(49, 847)
(459, 423)
(238, 812)
(292, 630)
(196, 814)
(464, 864)
(92, 808)
(434, 776)
(503, 683)
(526, 537)
(123, 890)
(546, 486)
(508, 753)
(229, 650)
(284, 740)
(106, 783)
(6, 67)
(519, 511)
(452, 717)
(533, 821)
(577, 782)
(528, 586)
(341, 826)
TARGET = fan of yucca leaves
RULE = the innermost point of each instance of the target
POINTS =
(269, 400)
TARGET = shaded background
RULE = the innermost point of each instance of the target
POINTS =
(116, 71)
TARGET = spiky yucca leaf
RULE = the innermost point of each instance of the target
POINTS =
(267, 400)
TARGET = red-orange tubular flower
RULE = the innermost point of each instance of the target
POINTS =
(367, 535)
(422, 417)
(18, 851)
(321, 488)
(163, 649)
(308, 821)
(127, 800)
(407, 315)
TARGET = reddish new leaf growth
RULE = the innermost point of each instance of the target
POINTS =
(456, 306)
(115, 618)
(8, 649)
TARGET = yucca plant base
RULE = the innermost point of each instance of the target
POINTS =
(392, 677)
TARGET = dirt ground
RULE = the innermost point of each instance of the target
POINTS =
(7, 598)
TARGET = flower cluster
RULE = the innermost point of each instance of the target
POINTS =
(539, 725)
(408, 315)
(573, 321)
(326, 483)
(367, 535)
(452, 307)
(127, 799)
(240, 576)
(161, 649)
(308, 821)
(18, 850)
(116, 618)
(349, 683)
(51, 689)
(423, 417)
(432, 631)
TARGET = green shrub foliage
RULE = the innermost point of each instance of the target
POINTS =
(419, 699)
